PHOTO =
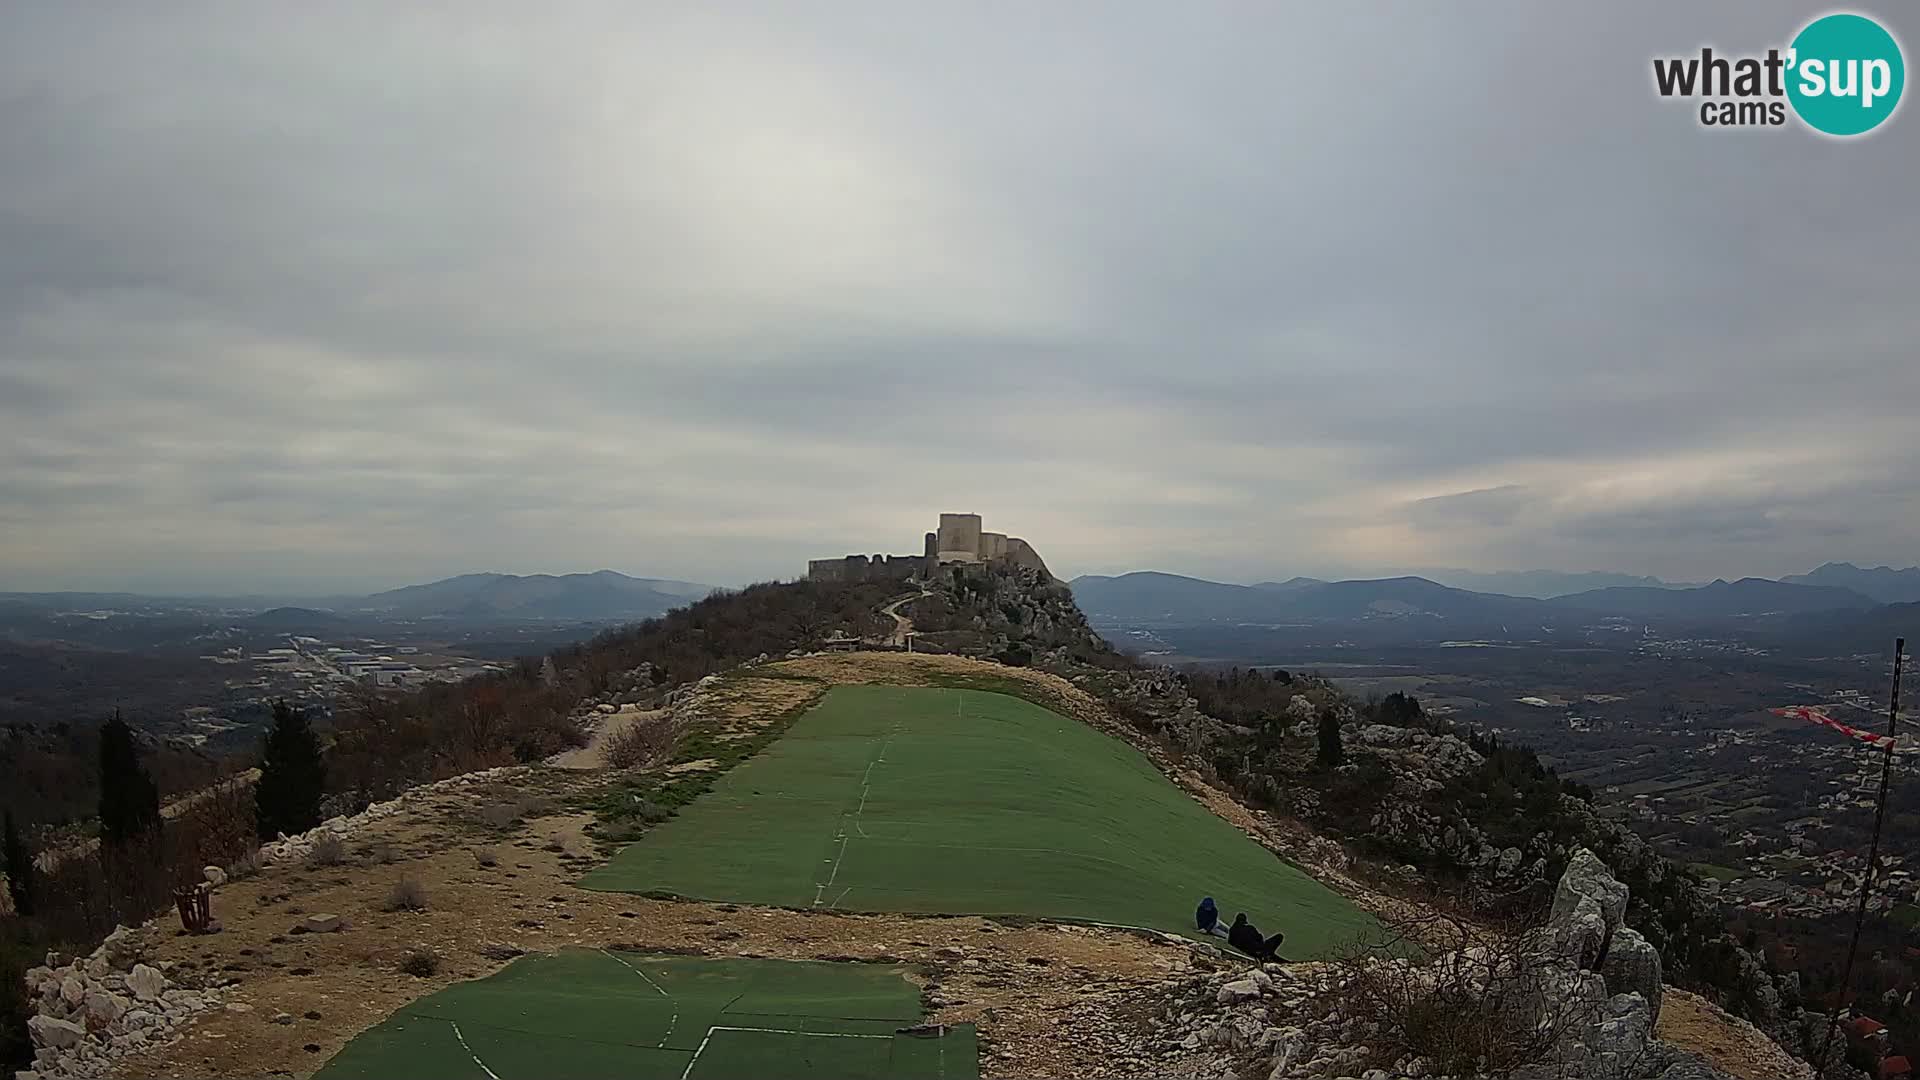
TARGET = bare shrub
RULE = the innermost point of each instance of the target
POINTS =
(407, 894)
(328, 850)
(1485, 1005)
(420, 963)
(245, 865)
(486, 857)
(641, 743)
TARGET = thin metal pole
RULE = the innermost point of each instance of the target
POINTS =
(1873, 856)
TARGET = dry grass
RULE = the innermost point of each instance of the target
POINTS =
(407, 894)
(641, 744)
(328, 850)
(420, 963)
(1480, 1008)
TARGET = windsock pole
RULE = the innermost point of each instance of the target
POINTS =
(1873, 857)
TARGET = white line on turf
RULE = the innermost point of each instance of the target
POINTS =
(673, 1020)
(688, 1071)
(471, 1054)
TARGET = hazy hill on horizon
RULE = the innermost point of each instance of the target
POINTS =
(1882, 583)
(1545, 584)
(602, 594)
(1152, 596)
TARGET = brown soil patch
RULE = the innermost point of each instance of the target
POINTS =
(1732, 1045)
(527, 901)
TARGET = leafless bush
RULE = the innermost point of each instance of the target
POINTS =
(85, 892)
(328, 850)
(407, 894)
(1486, 1004)
(244, 865)
(420, 963)
(642, 743)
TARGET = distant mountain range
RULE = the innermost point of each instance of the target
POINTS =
(1544, 584)
(603, 594)
(1167, 599)
(1748, 596)
(1150, 597)
(1883, 583)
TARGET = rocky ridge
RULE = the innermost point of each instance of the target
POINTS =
(1585, 978)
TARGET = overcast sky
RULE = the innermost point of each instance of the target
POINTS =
(301, 297)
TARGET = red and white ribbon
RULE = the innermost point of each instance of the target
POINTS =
(1815, 714)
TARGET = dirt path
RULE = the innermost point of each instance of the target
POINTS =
(594, 754)
(902, 625)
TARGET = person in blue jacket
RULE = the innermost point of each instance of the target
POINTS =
(1207, 918)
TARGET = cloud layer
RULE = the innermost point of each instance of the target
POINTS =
(352, 297)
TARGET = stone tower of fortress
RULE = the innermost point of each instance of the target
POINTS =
(959, 539)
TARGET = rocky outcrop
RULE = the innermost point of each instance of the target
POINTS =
(291, 848)
(1587, 980)
(87, 1013)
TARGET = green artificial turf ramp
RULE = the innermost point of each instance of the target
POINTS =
(915, 799)
(585, 1013)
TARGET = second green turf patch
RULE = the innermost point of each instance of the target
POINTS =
(591, 1013)
(964, 802)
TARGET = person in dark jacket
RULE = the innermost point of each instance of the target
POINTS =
(1246, 937)
(1207, 918)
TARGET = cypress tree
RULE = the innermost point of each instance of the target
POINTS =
(129, 799)
(19, 863)
(293, 776)
(1331, 752)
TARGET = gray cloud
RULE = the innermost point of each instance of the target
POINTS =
(352, 296)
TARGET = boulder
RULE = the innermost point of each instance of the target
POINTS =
(1632, 966)
(215, 876)
(1580, 935)
(1588, 878)
(1621, 1038)
(123, 948)
(55, 1034)
(146, 982)
(73, 990)
(1237, 991)
(321, 924)
(104, 1008)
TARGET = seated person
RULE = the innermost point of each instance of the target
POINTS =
(1246, 937)
(1207, 918)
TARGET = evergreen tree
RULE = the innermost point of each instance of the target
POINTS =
(293, 776)
(129, 799)
(1331, 753)
(19, 863)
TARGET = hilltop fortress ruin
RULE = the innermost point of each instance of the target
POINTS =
(958, 540)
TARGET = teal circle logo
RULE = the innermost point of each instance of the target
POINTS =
(1845, 74)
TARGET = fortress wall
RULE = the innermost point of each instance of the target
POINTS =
(993, 545)
(1021, 553)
